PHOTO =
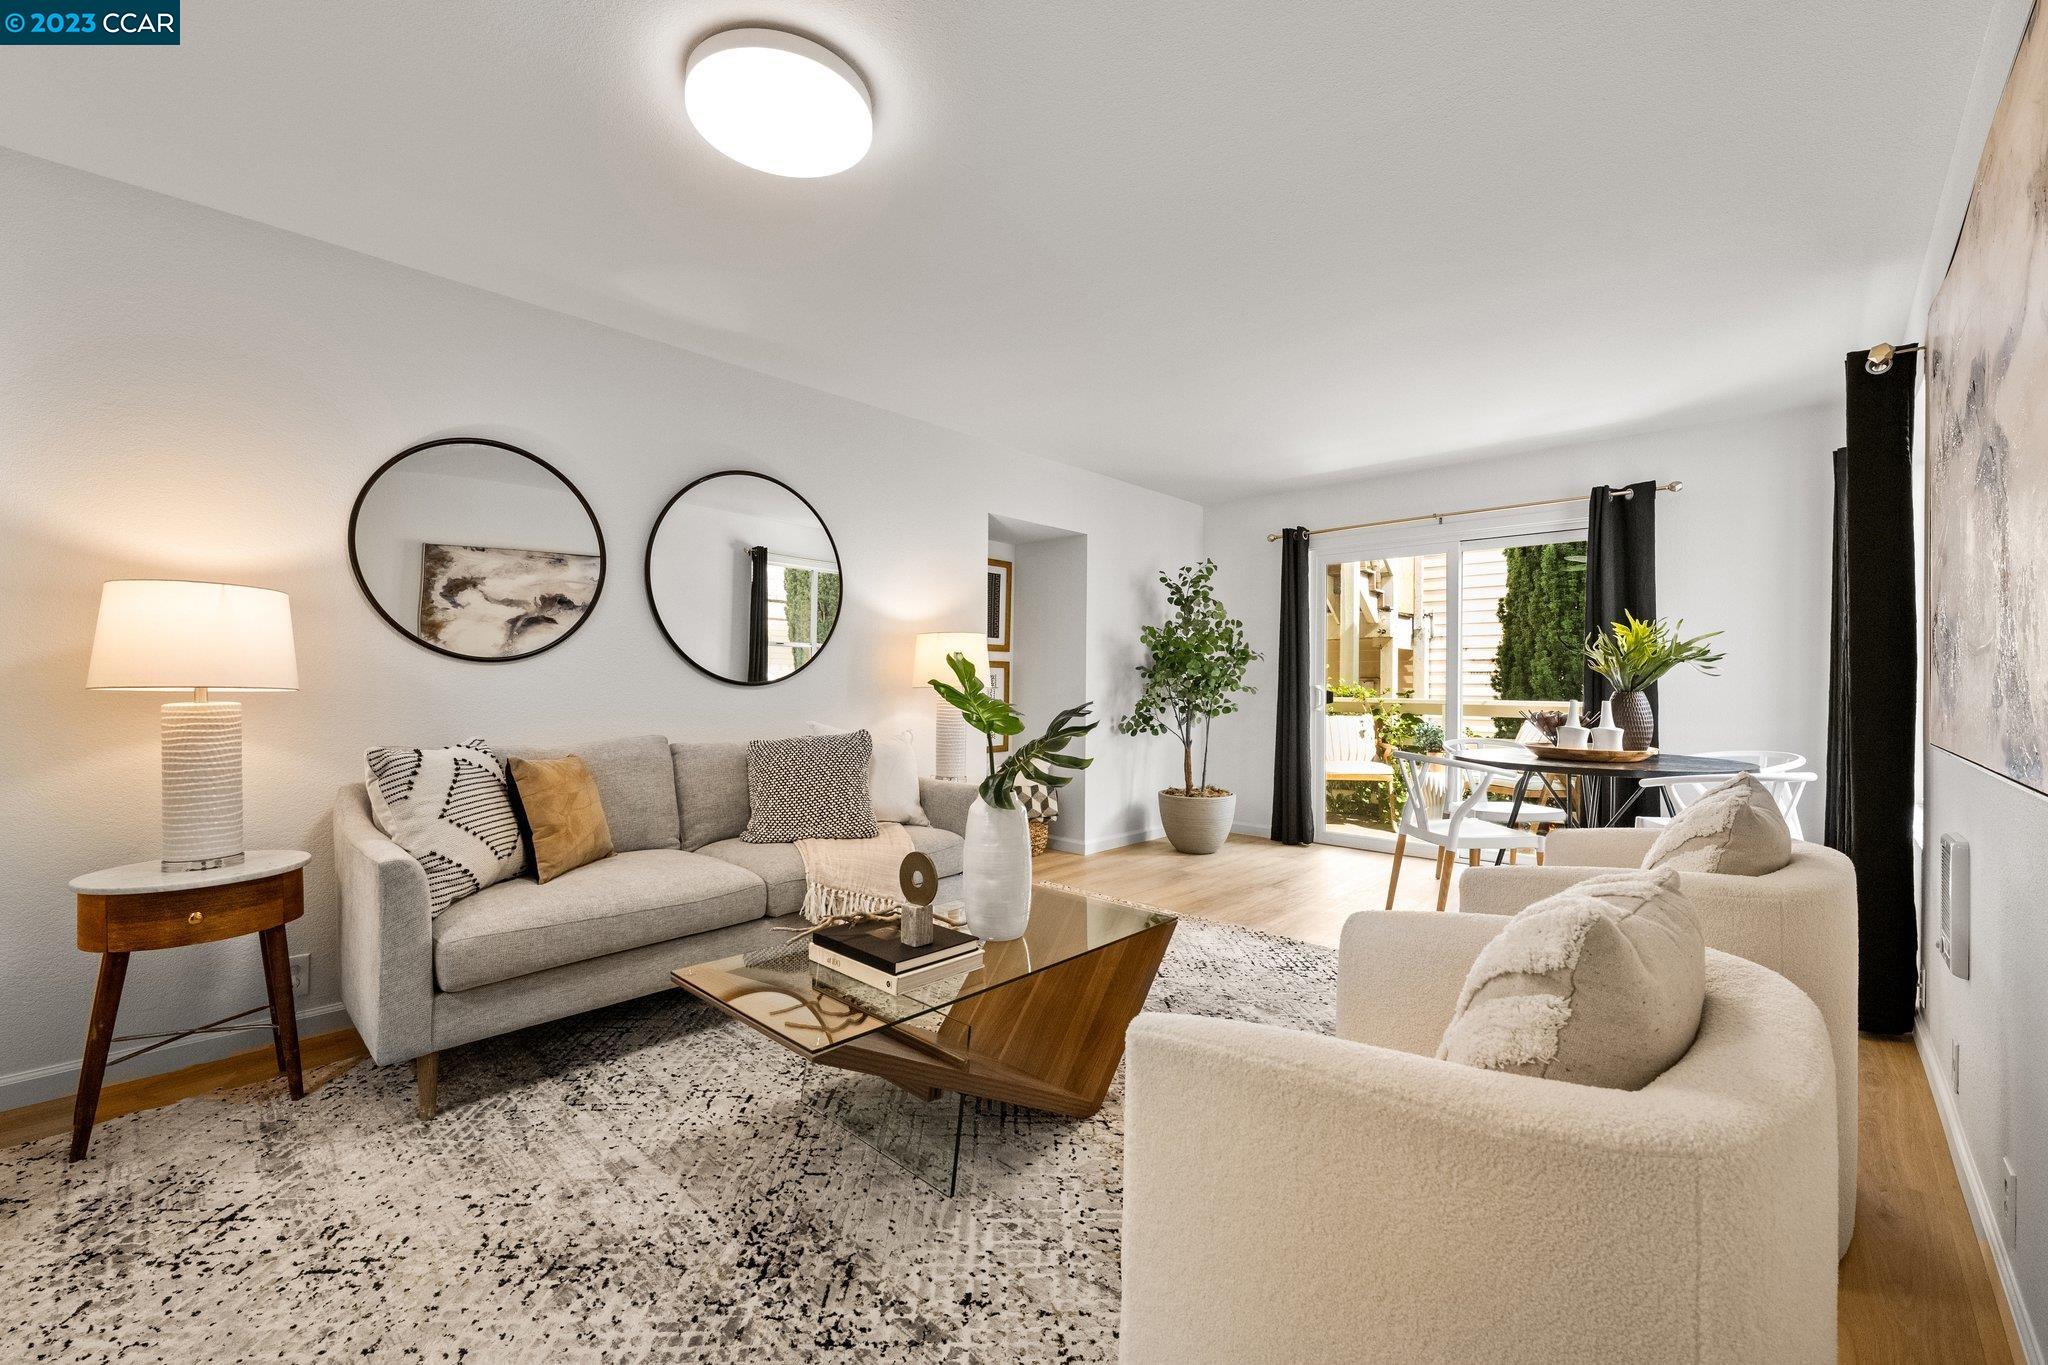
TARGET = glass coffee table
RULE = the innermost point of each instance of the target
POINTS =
(1039, 1025)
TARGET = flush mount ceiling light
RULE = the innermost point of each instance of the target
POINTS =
(778, 102)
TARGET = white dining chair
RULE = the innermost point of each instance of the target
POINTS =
(1454, 786)
(1775, 770)
(1535, 815)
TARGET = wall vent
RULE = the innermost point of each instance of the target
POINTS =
(1954, 940)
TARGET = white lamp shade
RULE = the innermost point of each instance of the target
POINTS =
(932, 651)
(159, 635)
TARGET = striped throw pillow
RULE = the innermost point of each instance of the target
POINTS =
(451, 809)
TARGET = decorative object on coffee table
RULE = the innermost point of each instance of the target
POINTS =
(1040, 1024)
(920, 880)
(956, 757)
(1194, 670)
(159, 635)
(1631, 655)
(140, 907)
(997, 858)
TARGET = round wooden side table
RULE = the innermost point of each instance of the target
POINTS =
(139, 907)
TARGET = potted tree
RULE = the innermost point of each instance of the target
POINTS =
(1193, 672)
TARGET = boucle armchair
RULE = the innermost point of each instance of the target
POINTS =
(1799, 921)
(1291, 1196)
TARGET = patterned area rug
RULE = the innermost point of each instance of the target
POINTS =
(641, 1183)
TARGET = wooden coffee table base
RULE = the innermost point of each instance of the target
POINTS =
(1049, 1041)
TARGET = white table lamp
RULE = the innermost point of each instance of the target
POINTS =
(158, 635)
(959, 754)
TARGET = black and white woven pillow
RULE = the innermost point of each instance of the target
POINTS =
(451, 809)
(810, 787)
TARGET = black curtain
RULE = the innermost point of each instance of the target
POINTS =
(1294, 779)
(1621, 578)
(1872, 680)
(757, 615)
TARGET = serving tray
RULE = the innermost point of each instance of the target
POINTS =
(1560, 753)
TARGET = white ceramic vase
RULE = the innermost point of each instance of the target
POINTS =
(996, 881)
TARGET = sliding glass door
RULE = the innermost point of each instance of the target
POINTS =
(1437, 635)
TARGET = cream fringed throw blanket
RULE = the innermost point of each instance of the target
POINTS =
(848, 876)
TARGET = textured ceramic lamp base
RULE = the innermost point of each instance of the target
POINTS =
(958, 755)
(202, 757)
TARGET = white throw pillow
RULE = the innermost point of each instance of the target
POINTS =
(1736, 829)
(893, 783)
(452, 810)
(1601, 984)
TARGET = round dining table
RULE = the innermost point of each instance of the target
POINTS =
(1576, 772)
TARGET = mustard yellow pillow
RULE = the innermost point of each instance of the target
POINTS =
(564, 817)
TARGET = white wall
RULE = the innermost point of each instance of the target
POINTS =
(1051, 631)
(1999, 1017)
(1745, 549)
(189, 394)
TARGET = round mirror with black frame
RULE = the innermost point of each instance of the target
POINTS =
(476, 549)
(743, 578)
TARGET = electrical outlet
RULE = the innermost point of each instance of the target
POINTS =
(2009, 1207)
(302, 976)
(1955, 1067)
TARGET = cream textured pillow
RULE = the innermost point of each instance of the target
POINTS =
(1735, 828)
(892, 785)
(1601, 984)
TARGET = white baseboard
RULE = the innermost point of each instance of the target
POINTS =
(1983, 1212)
(1145, 834)
(59, 1079)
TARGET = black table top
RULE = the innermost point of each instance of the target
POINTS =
(1658, 765)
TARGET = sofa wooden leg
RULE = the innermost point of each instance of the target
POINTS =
(426, 1070)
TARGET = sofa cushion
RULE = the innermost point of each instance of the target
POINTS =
(451, 809)
(711, 788)
(810, 787)
(635, 783)
(1601, 984)
(563, 816)
(627, 901)
(782, 867)
(942, 846)
(779, 865)
(1735, 829)
(892, 776)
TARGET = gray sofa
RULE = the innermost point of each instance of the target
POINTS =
(682, 888)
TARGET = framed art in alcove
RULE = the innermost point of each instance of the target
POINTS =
(999, 596)
(999, 688)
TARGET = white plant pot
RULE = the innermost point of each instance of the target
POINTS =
(996, 881)
(1196, 824)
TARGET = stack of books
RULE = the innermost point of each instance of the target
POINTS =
(873, 955)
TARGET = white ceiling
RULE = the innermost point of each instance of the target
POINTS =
(1204, 247)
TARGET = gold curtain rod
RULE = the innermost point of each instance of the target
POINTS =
(1438, 517)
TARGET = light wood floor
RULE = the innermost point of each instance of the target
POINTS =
(1917, 1284)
